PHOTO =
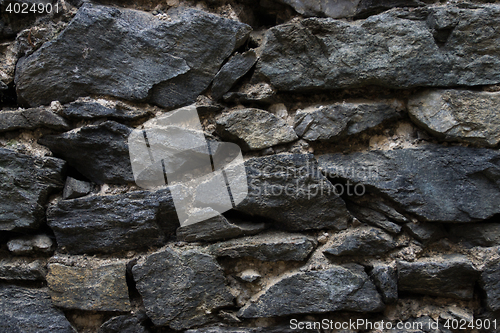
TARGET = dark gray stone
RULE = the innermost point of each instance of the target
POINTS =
(273, 246)
(370, 216)
(261, 93)
(99, 152)
(425, 232)
(386, 279)
(380, 205)
(122, 324)
(181, 288)
(237, 66)
(291, 190)
(477, 234)
(113, 223)
(490, 283)
(443, 276)
(92, 110)
(74, 188)
(337, 288)
(362, 241)
(23, 269)
(168, 62)
(450, 46)
(334, 121)
(28, 245)
(25, 184)
(31, 119)
(29, 310)
(436, 183)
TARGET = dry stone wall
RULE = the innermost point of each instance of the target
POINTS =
(369, 132)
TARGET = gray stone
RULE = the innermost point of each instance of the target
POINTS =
(443, 276)
(27, 245)
(217, 228)
(334, 121)
(8, 59)
(255, 129)
(29, 310)
(490, 283)
(237, 66)
(99, 152)
(370, 216)
(449, 46)
(249, 275)
(261, 93)
(93, 109)
(425, 232)
(458, 115)
(291, 190)
(380, 205)
(272, 329)
(113, 223)
(361, 241)
(273, 246)
(26, 183)
(74, 188)
(477, 234)
(386, 279)
(122, 324)
(98, 286)
(338, 288)
(181, 288)
(436, 183)
(167, 62)
(23, 269)
(30, 119)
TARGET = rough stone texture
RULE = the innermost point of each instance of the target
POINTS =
(490, 283)
(122, 324)
(362, 241)
(8, 59)
(337, 288)
(443, 276)
(373, 217)
(334, 121)
(31, 119)
(217, 228)
(27, 245)
(113, 223)
(275, 329)
(290, 190)
(99, 152)
(255, 129)
(437, 46)
(273, 246)
(23, 269)
(29, 310)
(477, 234)
(252, 93)
(74, 188)
(237, 66)
(437, 183)
(425, 232)
(93, 109)
(386, 279)
(25, 184)
(100, 286)
(167, 60)
(181, 288)
(458, 115)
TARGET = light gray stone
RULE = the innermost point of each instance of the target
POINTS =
(23, 269)
(27, 245)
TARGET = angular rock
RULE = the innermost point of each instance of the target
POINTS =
(113, 223)
(380, 205)
(255, 129)
(334, 121)
(26, 182)
(27, 245)
(98, 286)
(490, 283)
(362, 241)
(30, 310)
(217, 228)
(425, 232)
(237, 66)
(333, 54)
(436, 183)
(442, 276)
(92, 109)
(249, 275)
(99, 152)
(290, 190)
(8, 59)
(168, 62)
(458, 115)
(261, 93)
(181, 288)
(273, 246)
(23, 269)
(477, 234)
(31, 119)
(74, 188)
(386, 279)
(122, 324)
(346, 288)
(373, 217)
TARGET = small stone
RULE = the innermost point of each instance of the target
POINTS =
(122, 324)
(367, 241)
(373, 217)
(257, 93)
(386, 280)
(490, 283)
(91, 109)
(237, 66)
(249, 275)
(74, 188)
(425, 232)
(477, 234)
(23, 269)
(28, 245)
(30, 119)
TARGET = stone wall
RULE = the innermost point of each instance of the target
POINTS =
(369, 132)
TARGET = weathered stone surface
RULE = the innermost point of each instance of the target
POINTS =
(337, 288)
(361, 241)
(252, 93)
(217, 228)
(23, 269)
(386, 279)
(292, 191)
(27, 245)
(334, 121)
(8, 59)
(167, 60)
(273, 246)
(443, 276)
(99, 152)
(92, 109)
(477, 234)
(436, 46)
(490, 283)
(458, 115)
(122, 324)
(273, 329)
(26, 183)
(74, 188)
(237, 66)
(181, 288)
(370, 216)
(99, 286)
(30, 310)
(255, 129)
(424, 232)
(113, 223)
(437, 183)
(31, 119)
